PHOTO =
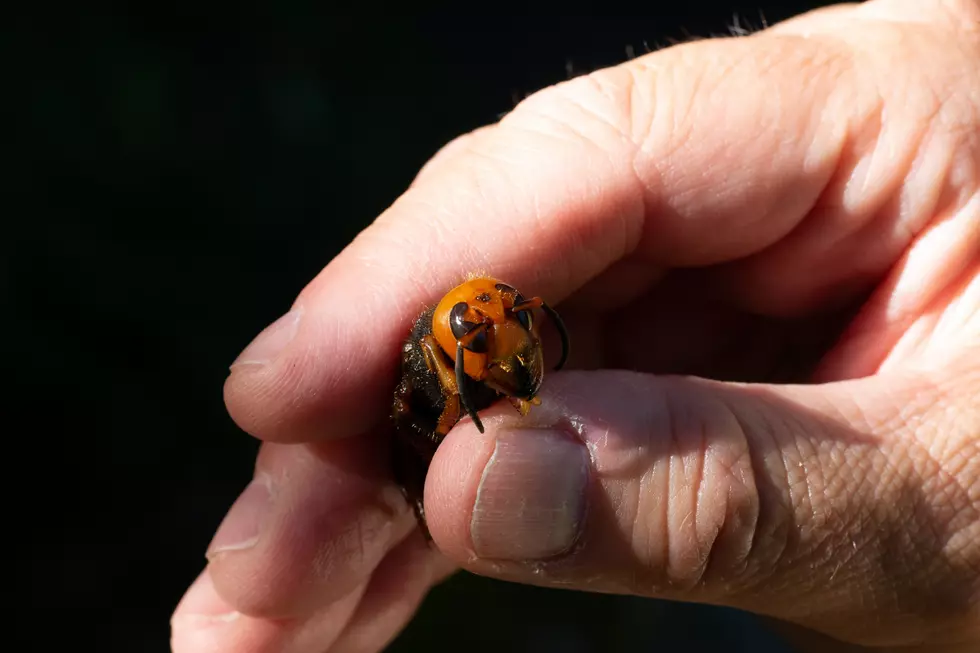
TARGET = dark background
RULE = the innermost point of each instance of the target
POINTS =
(183, 176)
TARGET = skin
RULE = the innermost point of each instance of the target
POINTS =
(798, 209)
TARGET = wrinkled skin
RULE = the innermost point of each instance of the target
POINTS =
(799, 209)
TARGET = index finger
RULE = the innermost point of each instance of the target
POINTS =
(677, 158)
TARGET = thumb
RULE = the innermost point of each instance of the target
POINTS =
(814, 504)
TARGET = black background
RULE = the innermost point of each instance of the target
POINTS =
(183, 176)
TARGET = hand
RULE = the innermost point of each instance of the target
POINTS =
(798, 209)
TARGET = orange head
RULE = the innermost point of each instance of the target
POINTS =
(488, 328)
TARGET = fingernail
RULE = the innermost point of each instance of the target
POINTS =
(241, 526)
(532, 497)
(273, 339)
(202, 603)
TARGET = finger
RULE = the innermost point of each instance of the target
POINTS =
(397, 589)
(924, 115)
(310, 529)
(677, 158)
(364, 620)
(850, 508)
(204, 622)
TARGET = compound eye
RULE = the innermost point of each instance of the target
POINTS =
(462, 328)
(524, 317)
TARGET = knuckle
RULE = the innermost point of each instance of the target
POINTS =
(732, 502)
(701, 530)
(591, 109)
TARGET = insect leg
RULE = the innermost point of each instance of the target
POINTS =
(447, 380)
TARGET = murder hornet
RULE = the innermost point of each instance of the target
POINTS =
(480, 343)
